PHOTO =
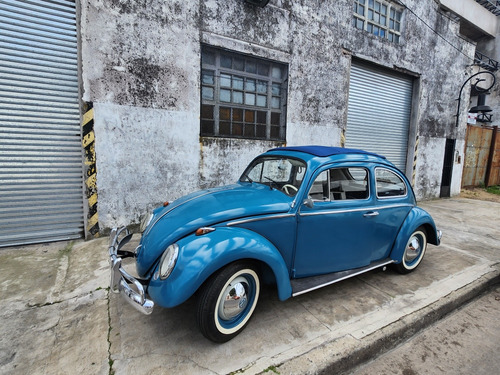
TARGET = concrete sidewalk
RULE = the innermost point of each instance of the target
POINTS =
(57, 316)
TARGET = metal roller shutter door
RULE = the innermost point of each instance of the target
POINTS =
(41, 196)
(379, 110)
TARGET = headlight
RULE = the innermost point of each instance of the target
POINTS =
(146, 219)
(167, 261)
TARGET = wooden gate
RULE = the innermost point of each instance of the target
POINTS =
(482, 157)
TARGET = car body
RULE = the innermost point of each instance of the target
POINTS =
(301, 217)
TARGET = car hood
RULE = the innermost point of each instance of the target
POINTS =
(203, 208)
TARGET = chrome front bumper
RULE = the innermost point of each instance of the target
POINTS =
(121, 281)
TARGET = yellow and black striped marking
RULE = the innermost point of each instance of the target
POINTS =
(415, 154)
(88, 143)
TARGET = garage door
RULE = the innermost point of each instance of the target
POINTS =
(379, 110)
(41, 178)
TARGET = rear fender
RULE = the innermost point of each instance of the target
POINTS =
(201, 256)
(416, 218)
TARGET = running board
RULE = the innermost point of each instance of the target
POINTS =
(308, 284)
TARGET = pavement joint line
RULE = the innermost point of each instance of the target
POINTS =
(110, 328)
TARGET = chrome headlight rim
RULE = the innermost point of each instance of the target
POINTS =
(145, 221)
(168, 261)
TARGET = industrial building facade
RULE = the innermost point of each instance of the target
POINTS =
(109, 108)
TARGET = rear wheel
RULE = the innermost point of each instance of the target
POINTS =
(227, 301)
(414, 251)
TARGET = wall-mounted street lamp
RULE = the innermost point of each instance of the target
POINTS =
(481, 107)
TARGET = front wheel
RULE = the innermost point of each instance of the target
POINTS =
(227, 301)
(414, 251)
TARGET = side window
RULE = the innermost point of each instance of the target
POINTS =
(340, 184)
(389, 184)
(348, 183)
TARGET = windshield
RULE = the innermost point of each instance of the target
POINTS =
(279, 172)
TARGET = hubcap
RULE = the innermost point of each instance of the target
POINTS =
(413, 249)
(234, 299)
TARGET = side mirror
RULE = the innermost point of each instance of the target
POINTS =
(309, 203)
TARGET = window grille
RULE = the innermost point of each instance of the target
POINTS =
(379, 18)
(242, 96)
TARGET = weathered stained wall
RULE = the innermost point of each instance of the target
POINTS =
(141, 69)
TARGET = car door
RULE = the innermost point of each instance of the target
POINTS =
(335, 227)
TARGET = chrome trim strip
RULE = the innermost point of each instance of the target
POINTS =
(260, 218)
(120, 279)
(343, 211)
(344, 278)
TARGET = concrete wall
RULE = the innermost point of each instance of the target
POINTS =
(141, 69)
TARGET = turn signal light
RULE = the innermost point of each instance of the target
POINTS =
(165, 204)
(203, 230)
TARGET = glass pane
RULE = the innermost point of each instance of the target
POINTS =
(237, 129)
(225, 113)
(251, 66)
(383, 9)
(249, 131)
(369, 27)
(207, 111)
(390, 37)
(263, 69)
(250, 85)
(207, 77)
(361, 1)
(376, 17)
(207, 57)
(397, 25)
(370, 3)
(225, 80)
(275, 132)
(261, 101)
(249, 116)
(261, 117)
(262, 87)
(261, 131)
(224, 128)
(396, 38)
(361, 10)
(276, 90)
(207, 127)
(237, 97)
(225, 95)
(391, 24)
(382, 33)
(237, 83)
(276, 72)
(398, 16)
(383, 20)
(275, 102)
(249, 99)
(360, 24)
(370, 14)
(377, 6)
(275, 118)
(237, 114)
(225, 61)
(238, 64)
(207, 93)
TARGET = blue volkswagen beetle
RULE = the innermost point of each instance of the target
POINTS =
(300, 217)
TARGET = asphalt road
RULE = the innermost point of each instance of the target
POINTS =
(465, 342)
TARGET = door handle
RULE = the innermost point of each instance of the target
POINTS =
(371, 214)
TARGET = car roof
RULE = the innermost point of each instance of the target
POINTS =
(323, 151)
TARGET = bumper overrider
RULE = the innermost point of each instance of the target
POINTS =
(131, 288)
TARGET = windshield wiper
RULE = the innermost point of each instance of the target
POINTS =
(247, 177)
(272, 182)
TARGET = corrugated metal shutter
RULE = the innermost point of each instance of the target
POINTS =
(379, 110)
(41, 196)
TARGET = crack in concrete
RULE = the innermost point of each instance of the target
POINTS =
(110, 360)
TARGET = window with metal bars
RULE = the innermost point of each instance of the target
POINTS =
(242, 96)
(379, 18)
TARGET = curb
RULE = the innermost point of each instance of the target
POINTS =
(327, 359)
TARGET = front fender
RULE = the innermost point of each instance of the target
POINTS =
(201, 256)
(416, 218)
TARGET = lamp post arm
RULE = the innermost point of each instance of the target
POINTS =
(475, 86)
